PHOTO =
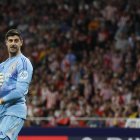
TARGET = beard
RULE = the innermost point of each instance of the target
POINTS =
(13, 50)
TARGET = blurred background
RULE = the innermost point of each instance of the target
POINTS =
(86, 59)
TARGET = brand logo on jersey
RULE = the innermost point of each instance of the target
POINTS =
(23, 75)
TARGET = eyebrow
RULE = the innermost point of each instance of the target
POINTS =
(14, 39)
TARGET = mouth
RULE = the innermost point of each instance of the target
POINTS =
(13, 49)
(13, 46)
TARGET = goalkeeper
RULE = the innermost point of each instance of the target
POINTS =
(15, 77)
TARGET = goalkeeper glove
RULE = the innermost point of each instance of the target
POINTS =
(1, 79)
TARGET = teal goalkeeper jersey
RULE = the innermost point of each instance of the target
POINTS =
(17, 73)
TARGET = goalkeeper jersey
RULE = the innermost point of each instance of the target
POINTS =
(17, 73)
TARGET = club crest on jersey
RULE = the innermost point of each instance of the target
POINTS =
(10, 71)
(23, 75)
(12, 67)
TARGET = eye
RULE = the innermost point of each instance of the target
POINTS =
(16, 40)
(10, 40)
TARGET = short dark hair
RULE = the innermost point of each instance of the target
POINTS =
(13, 32)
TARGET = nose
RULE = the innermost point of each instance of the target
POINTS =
(12, 43)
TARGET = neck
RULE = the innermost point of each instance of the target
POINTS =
(14, 54)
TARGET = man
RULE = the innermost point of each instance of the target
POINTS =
(15, 77)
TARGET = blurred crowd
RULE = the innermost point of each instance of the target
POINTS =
(86, 58)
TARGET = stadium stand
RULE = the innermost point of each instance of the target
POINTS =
(86, 58)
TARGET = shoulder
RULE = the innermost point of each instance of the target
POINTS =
(3, 63)
(24, 62)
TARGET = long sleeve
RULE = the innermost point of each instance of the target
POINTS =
(24, 75)
(19, 92)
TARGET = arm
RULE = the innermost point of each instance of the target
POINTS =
(19, 92)
(23, 80)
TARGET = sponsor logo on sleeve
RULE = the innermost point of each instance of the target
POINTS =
(23, 75)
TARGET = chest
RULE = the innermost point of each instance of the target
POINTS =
(9, 69)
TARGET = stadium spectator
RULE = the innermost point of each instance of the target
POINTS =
(85, 55)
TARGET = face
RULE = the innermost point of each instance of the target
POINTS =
(14, 44)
